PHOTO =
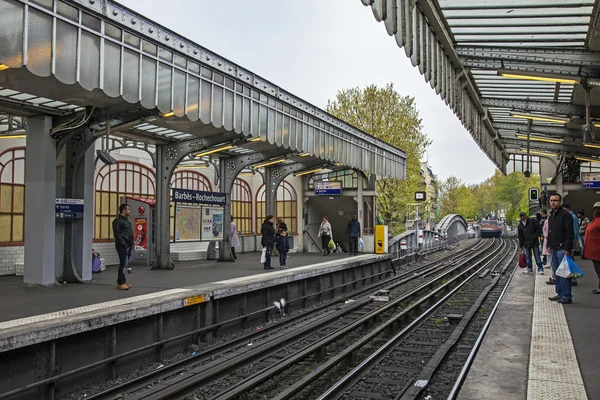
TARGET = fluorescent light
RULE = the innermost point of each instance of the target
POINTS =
(304, 154)
(255, 140)
(192, 166)
(312, 171)
(12, 136)
(167, 115)
(269, 163)
(3, 67)
(339, 164)
(205, 153)
(548, 78)
(542, 153)
(246, 174)
(539, 139)
(588, 159)
(545, 118)
(594, 146)
(597, 125)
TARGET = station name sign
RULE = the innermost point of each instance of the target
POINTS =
(198, 197)
(328, 188)
(69, 208)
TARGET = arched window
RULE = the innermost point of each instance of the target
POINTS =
(187, 179)
(286, 206)
(124, 178)
(241, 205)
(12, 196)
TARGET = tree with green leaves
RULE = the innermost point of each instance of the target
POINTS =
(450, 196)
(388, 116)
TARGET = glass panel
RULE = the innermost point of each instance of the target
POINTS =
(17, 234)
(19, 199)
(5, 198)
(5, 228)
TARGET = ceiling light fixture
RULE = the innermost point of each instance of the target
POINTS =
(3, 67)
(205, 153)
(544, 118)
(269, 163)
(539, 77)
(167, 115)
(588, 159)
(539, 139)
(541, 153)
(192, 166)
(255, 140)
(246, 174)
(304, 155)
(593, 146)
(312, 171)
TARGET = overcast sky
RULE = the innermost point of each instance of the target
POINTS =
(314, 48)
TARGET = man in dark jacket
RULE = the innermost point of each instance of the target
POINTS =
(123, 233)
(560, 244)
(268, 239)
(529, 232)
(353, 233)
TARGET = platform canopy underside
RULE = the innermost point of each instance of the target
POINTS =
(493, 61)
(152, 85)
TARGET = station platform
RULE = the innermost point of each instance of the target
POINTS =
(537, 349)
(20, 301)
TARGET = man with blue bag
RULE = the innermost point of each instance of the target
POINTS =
(560, 244)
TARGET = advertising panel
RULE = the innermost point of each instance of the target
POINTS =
(141, 234)
(212, 223)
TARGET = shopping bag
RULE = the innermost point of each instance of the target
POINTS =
(361, 243)
(575, 271)
(263, 256)
(563, 269)
(523, 261)
(331, 244)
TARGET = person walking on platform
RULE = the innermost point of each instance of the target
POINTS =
(268, 239)
(583, 223)
(234, 239)
(353, 233)
(592, 243)
(123, 233)
(529, 232)
(283, 247)
(326, 235)
(560, 244)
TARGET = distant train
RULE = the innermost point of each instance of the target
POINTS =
(491, 228)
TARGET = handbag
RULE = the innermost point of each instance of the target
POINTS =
(563, 269)
(523, 261)
(263, 256)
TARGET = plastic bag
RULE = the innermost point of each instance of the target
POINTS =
(575, 271)
(523, 261)
(563, 269)
(360, 242)
(263, 256)
(331, 244)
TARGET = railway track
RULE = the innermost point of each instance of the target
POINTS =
(312, 347)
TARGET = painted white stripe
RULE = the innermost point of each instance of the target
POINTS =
(553, 368)
(92, 307)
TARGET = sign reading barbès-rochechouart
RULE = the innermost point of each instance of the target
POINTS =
(198, 197)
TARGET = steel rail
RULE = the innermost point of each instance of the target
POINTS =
(165, 371)
(469, 362)
(253, 381)
(335, 391)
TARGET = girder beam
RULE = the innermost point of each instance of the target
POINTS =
(541, 106)
(574, 58)
(544, 130)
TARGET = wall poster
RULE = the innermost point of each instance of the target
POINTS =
(212, 223)
(141, 234)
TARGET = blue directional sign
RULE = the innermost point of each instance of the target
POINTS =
(69, 208)
(328, 188)
(590, 180)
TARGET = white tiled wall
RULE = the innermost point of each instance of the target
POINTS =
(9, 258)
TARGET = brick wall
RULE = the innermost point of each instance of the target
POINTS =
(9, 257)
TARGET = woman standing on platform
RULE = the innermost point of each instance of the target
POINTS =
(591, 247)
(268, 239)
(326, 235)
(234, 240)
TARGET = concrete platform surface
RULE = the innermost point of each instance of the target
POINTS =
(538, 349)
(19, 301)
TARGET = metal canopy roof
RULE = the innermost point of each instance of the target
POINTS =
(156, 86)
(493, 59)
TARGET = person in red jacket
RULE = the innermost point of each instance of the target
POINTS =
(591, 247)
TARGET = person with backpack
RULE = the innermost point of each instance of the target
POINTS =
(529, 232)
(283, 247)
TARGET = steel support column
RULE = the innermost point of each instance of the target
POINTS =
(40, 195)
(79, 184)
(272, 181)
